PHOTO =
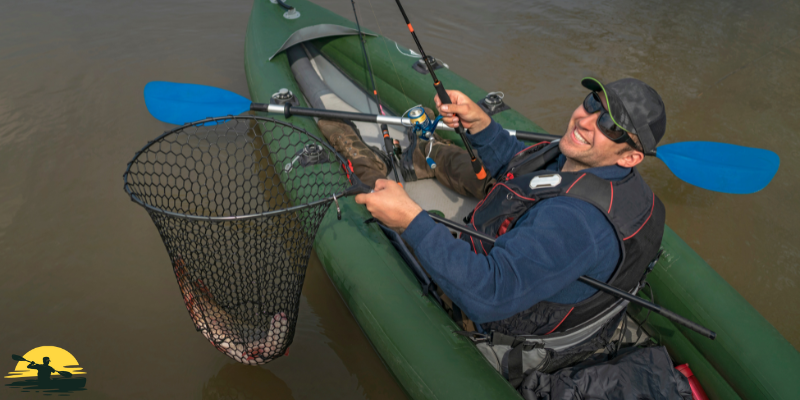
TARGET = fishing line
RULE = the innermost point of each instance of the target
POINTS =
(387, 140)
(366, 60)
(389, 56)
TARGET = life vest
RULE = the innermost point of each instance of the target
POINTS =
(637, 217)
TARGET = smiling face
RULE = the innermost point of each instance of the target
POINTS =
(586, 147)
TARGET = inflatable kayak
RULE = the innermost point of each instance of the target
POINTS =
(413, 336)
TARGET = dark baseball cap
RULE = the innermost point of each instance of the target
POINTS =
(634, 107)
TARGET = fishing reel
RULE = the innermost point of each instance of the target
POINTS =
(423, 128)
(421, 124)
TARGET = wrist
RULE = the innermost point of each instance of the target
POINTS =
(480, 125)
(410, 214)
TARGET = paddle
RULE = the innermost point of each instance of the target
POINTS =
(65, 374)
(719, 167)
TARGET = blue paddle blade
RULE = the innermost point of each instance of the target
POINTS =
(179, 103)
(720, 167)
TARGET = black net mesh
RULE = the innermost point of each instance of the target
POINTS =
(237, 202)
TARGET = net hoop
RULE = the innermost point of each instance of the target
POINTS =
(216, 120)
(237, 202)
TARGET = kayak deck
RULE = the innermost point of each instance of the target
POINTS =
(428, 193)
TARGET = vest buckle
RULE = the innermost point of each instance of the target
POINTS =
(545, 181)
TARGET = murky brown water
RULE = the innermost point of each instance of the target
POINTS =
(83, 268)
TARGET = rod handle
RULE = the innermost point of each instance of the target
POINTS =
(477, 168)
(535, 136)
(687, 323)
(388, 144)
(443, 96)
(358, 188)
(387, 140)
(616, 292)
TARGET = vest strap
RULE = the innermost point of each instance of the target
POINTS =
(515, 372)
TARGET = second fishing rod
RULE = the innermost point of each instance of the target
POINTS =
(477, 166)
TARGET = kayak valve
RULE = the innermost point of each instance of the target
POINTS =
(283, 96)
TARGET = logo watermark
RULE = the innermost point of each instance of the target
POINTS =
(47, 369)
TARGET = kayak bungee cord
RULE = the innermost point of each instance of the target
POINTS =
(477, 166)
(387, 140)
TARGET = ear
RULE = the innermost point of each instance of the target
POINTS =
(630, 159)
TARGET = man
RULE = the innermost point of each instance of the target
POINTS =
(559, 211)
(44, 370)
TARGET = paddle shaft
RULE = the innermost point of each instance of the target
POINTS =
(598, 285)
(288, 110)
(19, 358)
(477, 166)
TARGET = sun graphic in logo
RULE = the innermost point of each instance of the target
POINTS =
(60, 361)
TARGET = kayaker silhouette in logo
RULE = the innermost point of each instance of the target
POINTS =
(44, 369)
(54, 374)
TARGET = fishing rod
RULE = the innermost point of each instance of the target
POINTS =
(387, 140)
(597, 285)
(477, 166)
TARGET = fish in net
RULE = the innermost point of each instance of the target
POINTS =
(237, 202)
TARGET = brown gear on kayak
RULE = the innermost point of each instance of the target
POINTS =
(367, 166)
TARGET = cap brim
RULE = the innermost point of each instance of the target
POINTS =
(592, 84)
(615, 107)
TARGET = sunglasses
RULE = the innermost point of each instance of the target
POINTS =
(608, 128)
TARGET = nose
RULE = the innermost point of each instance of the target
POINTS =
(587, 121)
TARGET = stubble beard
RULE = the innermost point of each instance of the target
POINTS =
(576, 160)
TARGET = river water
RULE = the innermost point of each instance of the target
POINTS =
(83, 268)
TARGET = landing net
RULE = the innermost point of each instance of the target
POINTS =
(237, 202)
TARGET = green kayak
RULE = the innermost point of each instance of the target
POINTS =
(413, 336)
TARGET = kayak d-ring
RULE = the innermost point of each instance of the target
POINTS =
(291, 12)
(420, 66)
(310, 154)
(493, 103)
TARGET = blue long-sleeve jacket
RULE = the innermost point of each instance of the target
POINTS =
(551, 245)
